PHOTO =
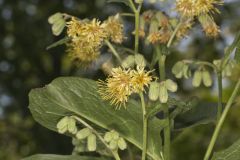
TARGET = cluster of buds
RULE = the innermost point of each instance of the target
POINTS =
(181, 69)
(68, 125)
(114, 141)
(228, 69)
(160, 90)
(202, 75)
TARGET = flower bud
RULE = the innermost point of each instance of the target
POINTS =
(154, 91)
(171, 86)
(207, 80)
(140, 60)
(83, 133)
(92, 142)
(108, 136)
(115, 135)
(72, 128)
(163, 94)
(58, 27)
(186, 71)
(197, 78)
(62, 125)
(113, 144)
(54, 18)
(122, 144)
(177, 69)
(128, 62)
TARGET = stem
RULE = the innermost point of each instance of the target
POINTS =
(137, 23)
(174, 34)
(115, 53)
(132, 6)
(114, 153)
(167, 130)
(127, 14)
(219, 111)
(145, 126)
(202, 63)
(221, 120)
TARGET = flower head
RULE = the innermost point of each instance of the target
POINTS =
(184, 28)
(140, 79)
(114, 28)
(122, 83)
(117, 88)
(209, 26)
(191, 8)
(86, 40)
(161, 36)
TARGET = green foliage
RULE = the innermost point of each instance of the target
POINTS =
(58, 43)
(231, 153)
(77, 96)
(58, 23)
(61, 157)
(126, 2)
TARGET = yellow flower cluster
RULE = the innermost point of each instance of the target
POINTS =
(87, 37)
(122, 83)
(191, 8)
(209, 26)
(202, 9)
(114, 27)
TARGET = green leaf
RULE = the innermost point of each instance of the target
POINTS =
(126, 2)
(231, 153)
(58, 43)
(237, 55)
(78, 96)
(61, 157)
(201, 113)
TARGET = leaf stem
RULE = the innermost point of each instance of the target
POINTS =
(137, 23)
(132, 6)
(174, 34)
(221, 120)
(219, 110)
(114, 153)
(145, 127)
(167, 129)
(115, 53)
(201, 63)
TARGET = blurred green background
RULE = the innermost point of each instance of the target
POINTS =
(26, 64)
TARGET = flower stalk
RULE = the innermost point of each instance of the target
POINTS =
(220, 122)
(115, 53)
(137, 23)
(145, 127)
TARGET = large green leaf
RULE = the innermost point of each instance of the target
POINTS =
(60, 157)
(78, 96)
(231, 153)
(201, 113)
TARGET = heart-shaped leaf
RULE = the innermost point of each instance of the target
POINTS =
(231, 153)
(60, 157)
(78, 96)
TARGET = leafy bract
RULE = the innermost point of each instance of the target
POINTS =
(58, 43)
(231, 153)
(61, 157)
(78, 96)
